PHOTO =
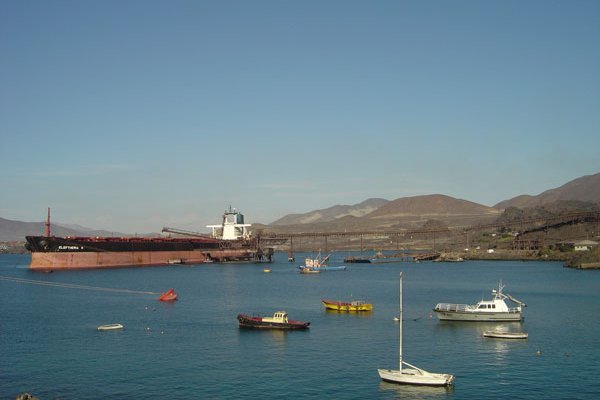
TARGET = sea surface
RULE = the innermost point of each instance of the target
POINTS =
(50, 347)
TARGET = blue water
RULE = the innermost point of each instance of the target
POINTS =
(49, 345)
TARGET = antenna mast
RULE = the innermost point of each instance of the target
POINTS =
(48, 224)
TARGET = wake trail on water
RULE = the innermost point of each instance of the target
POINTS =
(73, 286)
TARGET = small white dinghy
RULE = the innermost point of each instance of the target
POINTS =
(110, 327)
(506, 335)
(412, 375)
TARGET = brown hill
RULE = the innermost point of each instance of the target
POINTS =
(403, 213)
(331, 213)
(419, 209)
(585, 189)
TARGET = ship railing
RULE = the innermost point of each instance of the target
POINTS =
(452, 307)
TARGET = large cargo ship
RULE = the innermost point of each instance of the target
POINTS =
(230, 241)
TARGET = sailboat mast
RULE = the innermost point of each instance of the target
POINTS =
(400, 336)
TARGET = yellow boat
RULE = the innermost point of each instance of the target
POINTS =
(356, 305)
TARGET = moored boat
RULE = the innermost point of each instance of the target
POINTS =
(230, 242)
(505, 335)
(279, 320)
(357, 260)
(494, 310)
(412, 375)
(355, 305)
(110, 327)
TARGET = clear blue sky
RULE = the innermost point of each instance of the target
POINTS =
(133, 115)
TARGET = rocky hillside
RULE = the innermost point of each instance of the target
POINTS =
(432, 206)
(585, 189)
(403, 213)
(331, 213)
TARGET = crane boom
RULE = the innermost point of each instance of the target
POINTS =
(184, 232)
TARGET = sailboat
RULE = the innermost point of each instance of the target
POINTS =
(412, 375)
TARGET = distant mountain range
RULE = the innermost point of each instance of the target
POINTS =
(586, 188)
(405, 212)
(419, 211)
(16, 230)
(375, 213)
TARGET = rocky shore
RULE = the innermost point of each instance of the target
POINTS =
(584, 260)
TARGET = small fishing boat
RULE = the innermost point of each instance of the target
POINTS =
(310, 270)
(266, 270)
(169, 295)
(318, 264)
(279, 320)
(356, 305)
(412, 375)
(494, 310)
(505, 335)
(110, 327)
(306, 270)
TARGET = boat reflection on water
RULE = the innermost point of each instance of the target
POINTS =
(353, 314)
(276, 339)
(416, 391)
(479, 327)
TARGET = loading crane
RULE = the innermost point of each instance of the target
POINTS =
(176, 231)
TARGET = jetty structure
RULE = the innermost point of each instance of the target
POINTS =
(231, 241)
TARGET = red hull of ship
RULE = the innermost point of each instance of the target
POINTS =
(84, 260)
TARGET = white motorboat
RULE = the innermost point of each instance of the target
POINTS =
(110, 327)
(494, 310)
(505, 335)
(412, 375)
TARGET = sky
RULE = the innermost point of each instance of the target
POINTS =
(134, 115)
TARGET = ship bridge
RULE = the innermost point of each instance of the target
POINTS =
(232, 227)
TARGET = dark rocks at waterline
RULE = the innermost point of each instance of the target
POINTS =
(26, 396)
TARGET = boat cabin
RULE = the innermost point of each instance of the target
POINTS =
(496, 305)
(279, 317)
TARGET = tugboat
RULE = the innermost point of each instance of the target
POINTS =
(494, 310)
(279, 320)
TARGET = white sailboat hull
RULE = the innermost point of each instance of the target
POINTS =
(409, 376)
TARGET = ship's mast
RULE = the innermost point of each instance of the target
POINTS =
(48, 224)
(400, 335)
